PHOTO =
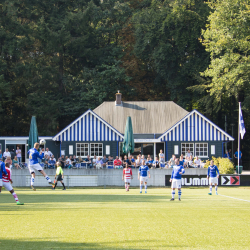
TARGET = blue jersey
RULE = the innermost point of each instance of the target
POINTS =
(143, 170)
(236, 154)
(34, 155)
(2, 169)
(211, 171)
(176, 172)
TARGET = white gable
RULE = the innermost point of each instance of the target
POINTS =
(89, 127)
(195, 127)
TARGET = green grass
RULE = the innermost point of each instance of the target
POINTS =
(114, 219)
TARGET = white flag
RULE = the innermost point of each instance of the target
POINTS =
(242, 125)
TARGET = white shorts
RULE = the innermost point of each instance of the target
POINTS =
(7, 186)
(34, 167)
(143, 179)
(213, 180)
(128, 180)
(176, 183)
(1, 183)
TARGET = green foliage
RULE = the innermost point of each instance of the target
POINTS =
(167, 40)
(224, 165)
(227, 40)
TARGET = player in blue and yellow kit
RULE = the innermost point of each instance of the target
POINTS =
(34, 165)
(143, 175)
(177, 172)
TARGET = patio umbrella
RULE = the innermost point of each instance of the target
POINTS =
(33, 135)
(128, 143)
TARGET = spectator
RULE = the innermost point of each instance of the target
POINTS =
(104, 160)
(149, 162)
(8, 160)
(189, 155)
(133, 159)
(80, 159)
(117, 163)
(110, 162)
(226, 155)
(47, 152)
(172, 161)
(15, 162)
(88, 161)
(18, 154)
(182, 161)
(148, 158)
(143, 158)
(138, 162)
(52, 162)
(124, 161)
(189, 160)
(74, 160)
(230, 153)
(99, 163)
(45, 160)
(1, 155)
(94, 161)
(6, 154)
(161, 157)
(12, 153)
(240, 157)
(68, 162)
(156, 163)
(197, 162)
(62, 160)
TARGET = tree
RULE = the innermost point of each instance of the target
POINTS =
(167, 41)
(227, 40)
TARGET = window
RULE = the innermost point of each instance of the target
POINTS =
(70, 149)
(176, 149)
(186, 146)
(201, 149)
(212, 149)
(82, 149)
(107, 149)
(96, 149)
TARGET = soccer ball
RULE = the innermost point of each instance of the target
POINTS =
(42, 142)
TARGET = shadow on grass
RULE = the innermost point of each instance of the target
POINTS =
(54, 243)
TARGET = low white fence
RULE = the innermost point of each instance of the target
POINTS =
(94, 177)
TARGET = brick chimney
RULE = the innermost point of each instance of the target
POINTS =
(118, 101)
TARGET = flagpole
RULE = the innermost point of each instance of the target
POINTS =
(239, 141)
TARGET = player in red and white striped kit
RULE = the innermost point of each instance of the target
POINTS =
(127, 176)
(7, 184)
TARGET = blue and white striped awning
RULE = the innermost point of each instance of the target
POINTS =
(89, 127)
(195, 127)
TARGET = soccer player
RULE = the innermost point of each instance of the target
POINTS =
(59, 174)
(2, 171)
(7, 184)
(127, 176)
(213, 174)
(143, 175)
(34, 165)
(175, 179)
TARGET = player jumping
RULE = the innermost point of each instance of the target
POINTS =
(33, 164)
(7, 184)
(2, 171)
(177, 172)
(214, 174)
(143, 174)
(127, 176)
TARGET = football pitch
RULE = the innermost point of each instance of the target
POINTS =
(114, 219)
